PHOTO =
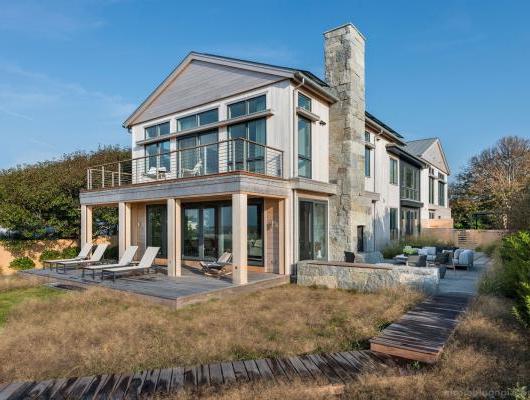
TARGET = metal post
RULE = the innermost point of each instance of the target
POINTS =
(245, 144)
(102, 177)
(119, 173)
(88, 178)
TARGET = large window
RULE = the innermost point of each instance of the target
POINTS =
(431, 190)
(304, 102)
(312, 228)
(441, 193)
(394, 171)
(304, 147)
(158, 158)
(156, 228)
(193, 121)
(247, 107)
(367, 161)
(393, 223)
(248, 156)
(199, 153)
(410, 181)
(157, 130)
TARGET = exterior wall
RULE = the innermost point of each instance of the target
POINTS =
(442, 214)
(465, 237)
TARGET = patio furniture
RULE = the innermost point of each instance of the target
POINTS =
(156, 173)
(430, 252)
(349, 256)
(401, 258)
(125, 261)
(144, 265)
(417, 260)
(217, 268)
(463, 258)
(195, 171)
(96, 257)
(83, 254)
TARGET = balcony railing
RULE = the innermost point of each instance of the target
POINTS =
(207, 159)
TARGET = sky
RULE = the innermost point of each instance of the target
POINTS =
(72, 71)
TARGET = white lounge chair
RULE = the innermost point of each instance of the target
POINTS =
(193, 172)
(83, 254)
(145, 264)
(125, 261)
(96, 257)
(217, 268)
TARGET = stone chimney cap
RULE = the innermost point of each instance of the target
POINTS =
(345, 25)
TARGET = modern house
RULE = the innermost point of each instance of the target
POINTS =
(270, 163)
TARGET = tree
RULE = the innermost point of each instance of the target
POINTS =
(42, 199)
(495, 183)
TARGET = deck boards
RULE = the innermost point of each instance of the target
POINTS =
(422, 332)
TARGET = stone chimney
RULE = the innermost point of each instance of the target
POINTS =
(344, 62)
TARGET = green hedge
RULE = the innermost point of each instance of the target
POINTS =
(50, 255)
(70, 252)
(22, 263)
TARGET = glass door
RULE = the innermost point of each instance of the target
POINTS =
(312, 230)
(156, 227)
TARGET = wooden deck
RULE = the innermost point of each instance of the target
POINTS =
(191, 287)
(328, 368)
(421, 333)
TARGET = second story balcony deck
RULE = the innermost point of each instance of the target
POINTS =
(208, 159)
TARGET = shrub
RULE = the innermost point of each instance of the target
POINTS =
(395, 248)
(112, 253)
(22, 263)
(50, 255)
(70, 252)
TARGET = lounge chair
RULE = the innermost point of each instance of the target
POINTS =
(96, 257)
(145, 264)
(83, 255)
(195, 171)
(417, 261)
(125, 260)
(217, 268)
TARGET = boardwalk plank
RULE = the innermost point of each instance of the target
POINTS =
(150, 382)
(252, 370)
(290, 371)
(164, 380)
(276, 369)
(339, 370)
(106, 386)
(61, 388)
(300, 368)
(216, 374)
(323, 366)
(229, 375)
(79, 387)
(37, 389)
(94, 386)
(240, 371)
(203, 375)
(15, 389)
(120, 388)
(313, 369)
(177, 380)
(190, 378)
(135, 385)
(264, 369)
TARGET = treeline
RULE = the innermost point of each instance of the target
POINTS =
(493, 190)
(41, 200)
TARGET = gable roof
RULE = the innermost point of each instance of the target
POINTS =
(421, 147)
(266, 72)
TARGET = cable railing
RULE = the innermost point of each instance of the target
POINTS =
(206, 159)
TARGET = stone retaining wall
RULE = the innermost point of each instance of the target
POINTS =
(366, 277)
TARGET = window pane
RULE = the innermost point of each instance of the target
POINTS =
(320, 231)
(225, 230)
(187, 123)
(209, 154)
(150, 132)
(163, 129)
(237, 109)
(236, 131)
(151, 151)
(304, 168)
(367, 136)
(208, 117)
(254, 237)
(191, 232)
(304, 102)
(209, 232)
(257, 104)
(165, 158)
(304, 137)
(157, 228)
(367, 161)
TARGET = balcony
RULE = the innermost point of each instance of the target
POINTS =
(208, 159)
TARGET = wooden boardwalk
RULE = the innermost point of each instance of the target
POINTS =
(327, 368)
(421, 333)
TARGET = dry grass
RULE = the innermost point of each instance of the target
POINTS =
(98, 332)
(15, 282)
(488, 357)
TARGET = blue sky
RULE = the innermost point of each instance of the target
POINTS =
(72, 71)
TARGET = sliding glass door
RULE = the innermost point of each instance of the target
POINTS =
(312, 230)
(156, 227)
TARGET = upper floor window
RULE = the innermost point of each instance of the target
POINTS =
(304, 102)
(367, 161)
(441, 193)
(367, 137)
(304, 147)
(157, 130)
(431, 190)
(441, 176)
(246, 107)
(158, 158)
(195, 120)
(410, 181)
(431, 214)
(393, 171)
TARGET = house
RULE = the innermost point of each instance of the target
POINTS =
(268, 162)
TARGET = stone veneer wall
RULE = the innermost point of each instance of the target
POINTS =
(366, 277)
(344, 61)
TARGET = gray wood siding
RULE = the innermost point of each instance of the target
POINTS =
(202, 82)
(434, 155)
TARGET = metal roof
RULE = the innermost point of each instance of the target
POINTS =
(418, 147)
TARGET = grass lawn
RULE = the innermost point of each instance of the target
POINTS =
(98, 331)
(13, 297)
(488, 357)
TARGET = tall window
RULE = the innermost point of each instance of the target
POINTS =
(244, 155)
(156, 228)
(199, 153)
(367, 161)
(246, 107)
(158, 157)
(193, 121)
(409, 181)
(304, 102)
(312, 229)
(393, 171)
(393, 223)
(157, 130)
(441, 193)
(431, 190)
(304, 147)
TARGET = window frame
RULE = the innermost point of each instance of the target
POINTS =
(393, 171)
(302, 156)
(197, 117)
(157, 126)
(247, 106)
(309, 101)
(367, 161)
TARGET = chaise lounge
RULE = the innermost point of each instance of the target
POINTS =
(95, 258)
(125, 260)
(217, 268)
(144, 265)
(83, 255)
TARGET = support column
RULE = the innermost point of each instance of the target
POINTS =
(174, 256)
(239, 238)
(124, 227)
(86, 224)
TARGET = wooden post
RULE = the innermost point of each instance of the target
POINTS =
(124, 226)
(174, 256)
(239, 238)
